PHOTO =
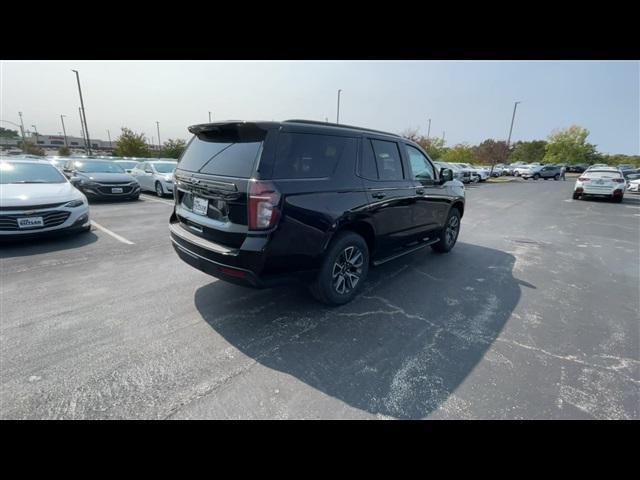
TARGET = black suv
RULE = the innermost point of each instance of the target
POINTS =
(264, 203)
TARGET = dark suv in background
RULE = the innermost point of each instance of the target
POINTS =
(264, 203)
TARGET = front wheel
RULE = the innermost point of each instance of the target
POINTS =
(536, 176)
(159, 190)
(557, 177)
(449, 234)
(343, 271)
(576, 196)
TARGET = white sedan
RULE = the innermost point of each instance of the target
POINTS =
(36, 198)
(601, 182)
(634, 185)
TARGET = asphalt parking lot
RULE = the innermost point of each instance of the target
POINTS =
(534, 315)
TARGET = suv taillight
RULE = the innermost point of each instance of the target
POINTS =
(263, 205)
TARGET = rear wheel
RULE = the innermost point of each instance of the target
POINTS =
(617, 199)
(536, 176)
(343, 271)
(557, 177)
(159, 189)
(449, 234)
(576, 196)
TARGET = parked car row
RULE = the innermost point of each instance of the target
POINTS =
(51, 195)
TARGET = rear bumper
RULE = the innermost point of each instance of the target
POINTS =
(231, 265)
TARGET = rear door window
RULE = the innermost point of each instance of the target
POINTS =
(388, 160)
(302, 155)
(222, 157)
(368, 167)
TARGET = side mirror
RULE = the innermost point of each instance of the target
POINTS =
(446, 175)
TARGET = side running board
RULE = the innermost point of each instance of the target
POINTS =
(415, 248)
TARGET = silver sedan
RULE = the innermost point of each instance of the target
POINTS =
(155, 176)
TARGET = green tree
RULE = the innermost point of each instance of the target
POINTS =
(491, 152)
(569, 145)
(528, 152)
(173, 148)
(462, 153)
(131, 144)
(32, 149)
(435, 147)
(6, 133)
(64, 151)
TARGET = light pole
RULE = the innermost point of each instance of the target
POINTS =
(209, 117)
(24, 140)
(82, 132)
(36, 130)
(515, 105)
(84, 115)
(64, 131)
(159, 144)
(338, 113)
(109, 136)
(429, 129)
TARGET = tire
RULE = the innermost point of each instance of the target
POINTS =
(536, 176)
(576, 196)
(516, 174)
(345, 262)
(557, 177)
(159, 190)
(446, 241)
(135, 197)
(618, 199)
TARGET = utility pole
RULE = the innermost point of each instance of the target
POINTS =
(338, 113)
(64, 131)
(109, 136)
(209, 117)
(84, 115)
(429, 130)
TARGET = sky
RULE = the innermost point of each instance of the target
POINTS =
(467, 101)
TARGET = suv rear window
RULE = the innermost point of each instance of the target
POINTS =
(220, 156)
(302, 155)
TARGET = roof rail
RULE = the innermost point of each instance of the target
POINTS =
(339, 125)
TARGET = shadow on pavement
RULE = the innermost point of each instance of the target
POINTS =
(45, 244)
(400, 349)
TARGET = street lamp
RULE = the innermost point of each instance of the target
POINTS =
(515, 105)
(36, 130)
(82, 132)
(84, 115)
(64, 130)
(429, 129)
(209, 117)
(24, 140)
(159, 144)
(109, 135)
(338, 113)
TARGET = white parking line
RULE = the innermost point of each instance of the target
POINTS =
(151, 199)
(109, 232)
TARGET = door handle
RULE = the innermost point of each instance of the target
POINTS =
(419, 191)
(378, 195)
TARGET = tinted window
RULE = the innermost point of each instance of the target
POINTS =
(368, 168)
(420, 166)
(15, 172)
(388, 160)
(301, 155)
(234, 161)
(220, 156)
